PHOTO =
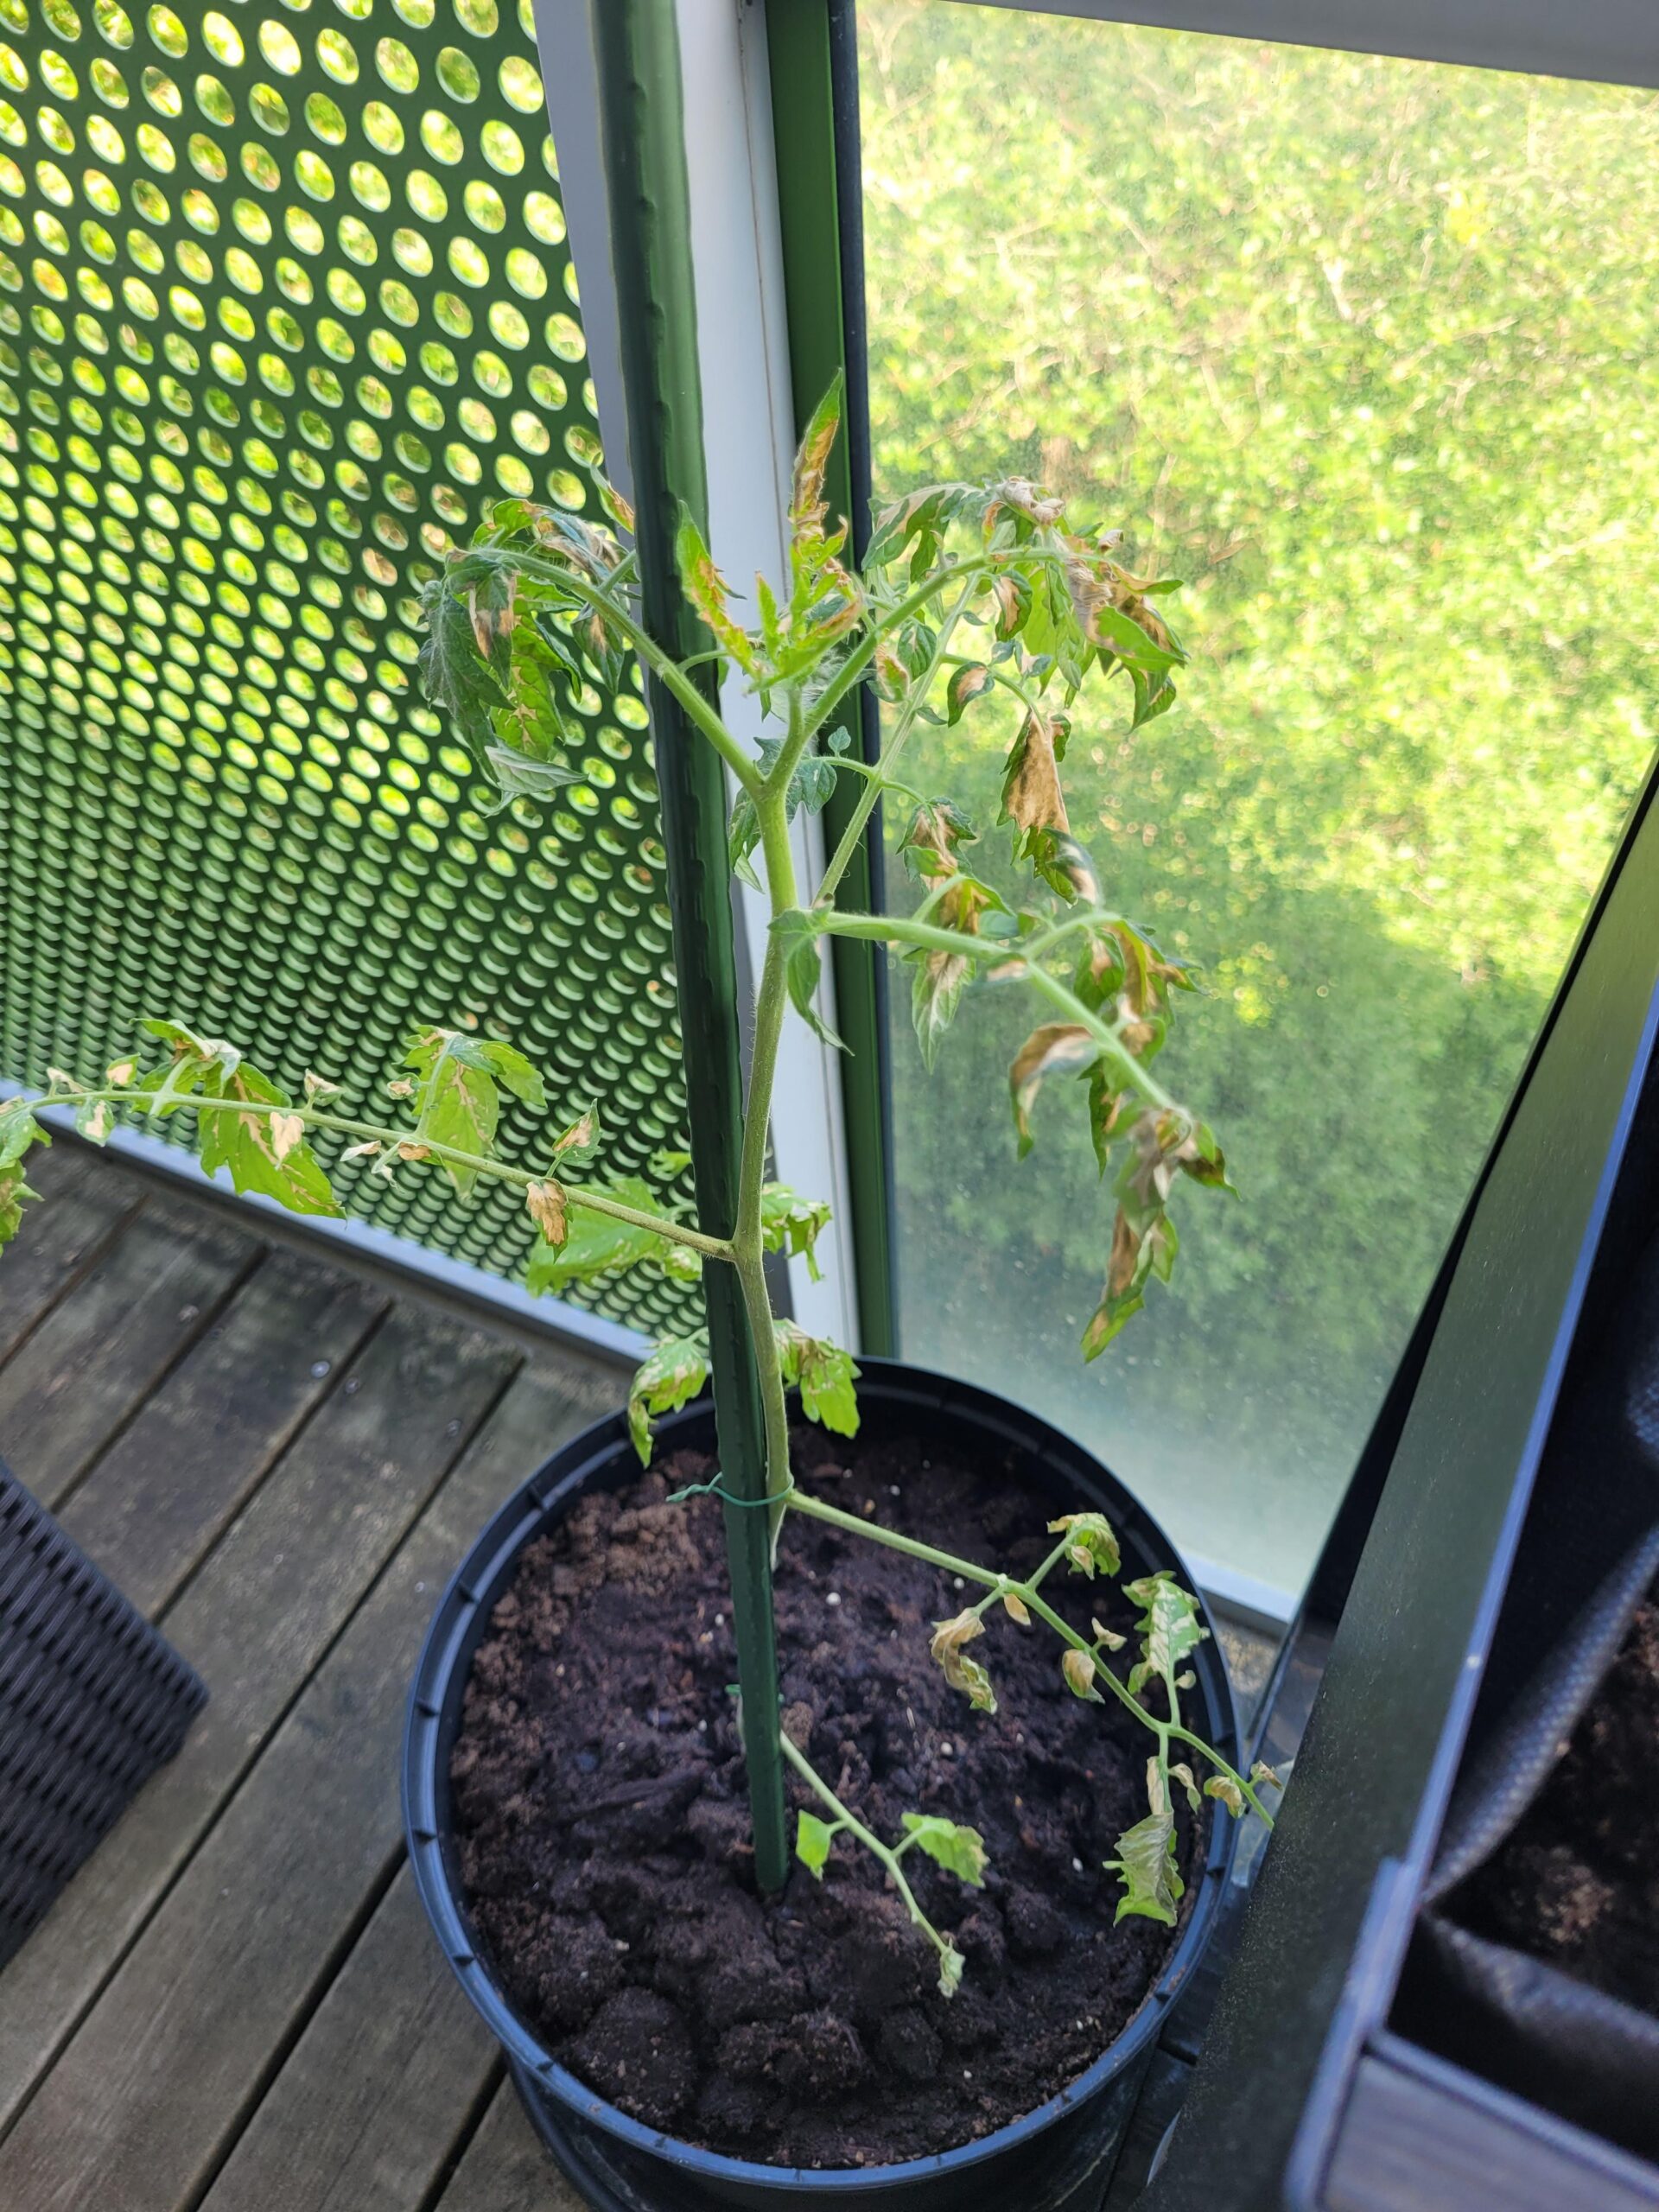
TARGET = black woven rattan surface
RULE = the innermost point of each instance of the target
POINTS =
(92, 1701)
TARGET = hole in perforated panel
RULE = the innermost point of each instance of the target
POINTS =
(259, 392)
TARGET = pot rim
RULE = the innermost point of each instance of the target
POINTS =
(441, 1676)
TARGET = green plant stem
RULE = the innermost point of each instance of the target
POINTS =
(676, 1232)
(841, 861)
(884, 929)
(801, 1501)
(872, 1843)
(770, 1005)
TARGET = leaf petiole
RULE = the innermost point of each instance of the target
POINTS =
(674, 1233)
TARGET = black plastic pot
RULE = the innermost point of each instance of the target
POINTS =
(1056, 2160)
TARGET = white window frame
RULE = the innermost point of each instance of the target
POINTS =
(748, 444)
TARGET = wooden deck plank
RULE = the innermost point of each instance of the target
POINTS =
(506, 2169)
(84, 1208)
(176, 1477)
(378, 2089)
(150, 2095)
(96, 1356)
(264, 1609)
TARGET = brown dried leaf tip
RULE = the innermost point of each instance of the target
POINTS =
(548, 1209)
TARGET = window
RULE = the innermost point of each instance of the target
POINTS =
(1361, 348)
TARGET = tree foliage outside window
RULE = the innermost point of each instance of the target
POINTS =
(1369, 341)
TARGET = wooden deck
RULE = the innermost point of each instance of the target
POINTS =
(237, 2006)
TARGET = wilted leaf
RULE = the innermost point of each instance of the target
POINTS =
(791, 1223)
(813, 1838)
(1079, 1671)
(1091, 1545)
(671, 1376)
(823, 1374)
(490, 604)
(966, 685)
(1146, 1862)
(1261, 1772)
(960, 1672)
(1183, 1774)
(1016, 1608)
(1053, 1048)
(960, 1850)
(1222, 1787)
(547, 1209)
(806, 507)
(952, 1966)
(930, 838)
(1032, 797)
(581, 1140)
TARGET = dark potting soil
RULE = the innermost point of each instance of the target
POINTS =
(604, 1847)
(1578, 1882)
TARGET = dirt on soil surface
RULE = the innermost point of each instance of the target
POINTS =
(1578, 1883)
(604, 1843)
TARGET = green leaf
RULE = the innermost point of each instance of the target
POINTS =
(823, 1374)
(813, 1838)
(520, 776)
(19, 1131)
(94, 1120)
(264, 1153)
(791, 1223)
(960, 1850)
(671, 1376)
(512, 1068)
(453, 673)
(742, 837)
(456, 1101)
(1146, 1862)
(1091, 1545)
(596, 1245)
(798, 933)
(1170, 1626)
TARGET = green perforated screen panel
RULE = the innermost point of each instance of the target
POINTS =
(285, 303)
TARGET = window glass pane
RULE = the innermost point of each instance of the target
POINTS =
(1361, 348)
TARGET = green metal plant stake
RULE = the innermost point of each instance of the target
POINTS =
(637, 54)
(972, 598)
